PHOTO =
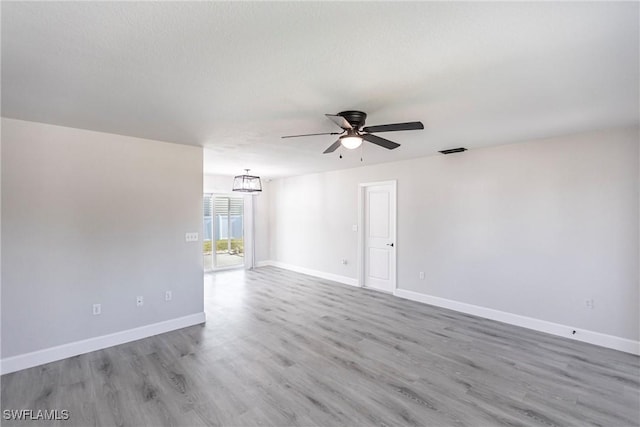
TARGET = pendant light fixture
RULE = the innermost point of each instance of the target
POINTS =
(247, 183)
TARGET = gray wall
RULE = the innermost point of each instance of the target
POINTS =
(90, 217)
(532, 228)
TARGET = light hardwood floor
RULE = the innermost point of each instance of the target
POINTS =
(281, 348)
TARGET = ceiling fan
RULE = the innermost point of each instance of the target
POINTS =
(353, 132)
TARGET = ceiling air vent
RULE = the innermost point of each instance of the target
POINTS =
(453, 150)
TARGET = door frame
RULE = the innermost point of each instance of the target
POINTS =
(247, 230)
(362, 187)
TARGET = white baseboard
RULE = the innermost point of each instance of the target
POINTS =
(597, 338)
(263, 263)
(52, 354)
(321, 274)
(566, 331)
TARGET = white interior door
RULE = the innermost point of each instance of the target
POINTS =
(379, 246)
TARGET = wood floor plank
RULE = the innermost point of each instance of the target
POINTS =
(285, 349)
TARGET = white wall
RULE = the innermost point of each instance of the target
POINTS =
(532, 228)
(220, 184)
(90, 217)
(262, 223)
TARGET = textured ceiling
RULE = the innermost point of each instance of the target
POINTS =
(234, 77)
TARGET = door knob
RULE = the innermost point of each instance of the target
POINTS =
(390, 244)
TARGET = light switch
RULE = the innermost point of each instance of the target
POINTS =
(354, 227)
(191, 237)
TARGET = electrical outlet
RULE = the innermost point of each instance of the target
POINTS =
(168, 296)
(344, 261)
(139, 301)
(354, 227)
(97, 309)
(589, 303)
(422, 275)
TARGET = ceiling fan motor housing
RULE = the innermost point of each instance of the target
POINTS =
(355, 118)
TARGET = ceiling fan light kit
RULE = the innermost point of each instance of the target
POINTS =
(247, 183)
(352, 123)
(351, 142)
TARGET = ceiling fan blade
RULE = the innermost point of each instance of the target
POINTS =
(312, 134)
(394, 127)
(380, 141)
(340, 121)
(333, 147)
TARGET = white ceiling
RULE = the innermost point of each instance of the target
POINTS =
(234, 77)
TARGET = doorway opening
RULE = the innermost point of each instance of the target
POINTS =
(223, 243)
